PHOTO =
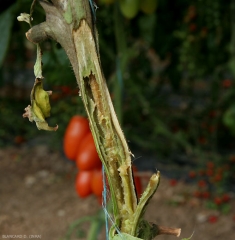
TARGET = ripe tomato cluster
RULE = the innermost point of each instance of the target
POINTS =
(79, 146)
(213, 181)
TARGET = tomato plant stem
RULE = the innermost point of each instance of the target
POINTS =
(72, 24)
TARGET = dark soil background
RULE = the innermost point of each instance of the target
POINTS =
(37, 197)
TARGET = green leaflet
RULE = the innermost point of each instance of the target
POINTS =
(38, 64)
(6, 22)
(124, 236)
(40, 107)
(188, 238)
(140, 227)
(229, 117)
(68, 14)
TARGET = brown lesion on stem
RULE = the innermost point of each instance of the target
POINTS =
(97, 96)
(106, 135)
(118, 168)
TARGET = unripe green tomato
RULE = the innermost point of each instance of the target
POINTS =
(129, 8)
(106, 1)
(148, 6)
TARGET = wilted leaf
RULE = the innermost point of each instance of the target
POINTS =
(24, 17)
(40, 107)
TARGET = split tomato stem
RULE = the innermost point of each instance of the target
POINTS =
(72, 25)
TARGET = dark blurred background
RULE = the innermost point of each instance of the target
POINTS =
(170, 69)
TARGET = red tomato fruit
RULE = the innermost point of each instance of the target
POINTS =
(212, 219)
(19, 139)
(209, 172)
(227, 83)
(210, 165)
(202, 183)
(206, 195)
(77, 129)
(173, 182)
(192, 174)
(87, 156)
(218, 200)
(97, 183)
(137, 181)
(192, 27)
(232, 158)
(66, 89)
(198, 194)
(100, 200)
(83, 183)
(218, 177)
(225, 198)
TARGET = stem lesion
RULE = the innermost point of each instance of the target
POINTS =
(111, 143)
(114, 159)
(105, 140)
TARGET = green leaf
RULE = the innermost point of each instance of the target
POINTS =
(188, 238)
(229, 119)
(211, 205)
(147, 24)
(38, 64)
(231, 65)
(124, 236)
(226, 208)
(6, 22)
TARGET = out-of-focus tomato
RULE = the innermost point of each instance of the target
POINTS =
(129, 8)
(100, 200)
(226, 198)
(227, 83)
(77, 129)
(212, 219)
(87, 156)
(19, 139)
(83, 183)
(97, 183)
(137, 181)
(148, 6)
(106, 1)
